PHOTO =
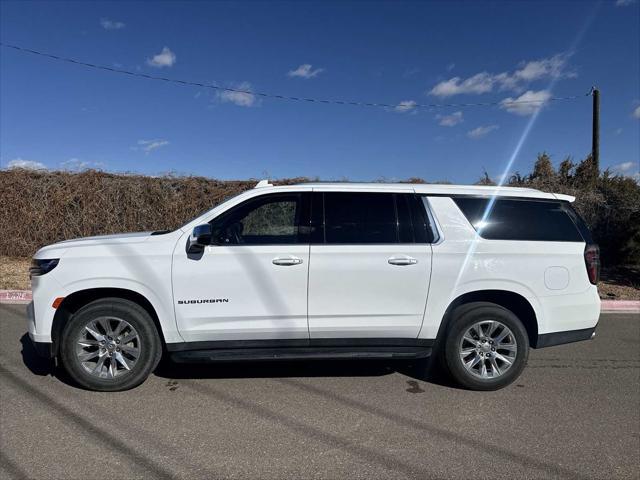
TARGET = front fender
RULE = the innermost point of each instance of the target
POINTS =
(43, 301)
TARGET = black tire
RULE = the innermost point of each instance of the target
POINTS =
(150, 345)
(464, 318)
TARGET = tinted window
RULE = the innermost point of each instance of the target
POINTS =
(360, 218)
(405, 224)
(519, 219)
(580, 223)
(267, 220)
(423, 226)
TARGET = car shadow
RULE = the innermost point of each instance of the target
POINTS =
(419, 370)
(35, 363)
(40, 366)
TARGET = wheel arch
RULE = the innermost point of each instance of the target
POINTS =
(514, 302)
(73, 302)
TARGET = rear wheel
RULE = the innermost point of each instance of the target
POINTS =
(486, 347)
(110, 344)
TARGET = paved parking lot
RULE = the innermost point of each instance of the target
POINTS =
(575, 413)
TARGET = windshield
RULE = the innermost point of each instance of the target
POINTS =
(224, 199)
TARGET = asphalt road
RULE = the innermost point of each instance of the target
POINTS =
(574, 413)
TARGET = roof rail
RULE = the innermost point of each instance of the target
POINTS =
(263, 183)
(566, 198)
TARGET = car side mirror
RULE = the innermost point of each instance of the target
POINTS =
(199, 238)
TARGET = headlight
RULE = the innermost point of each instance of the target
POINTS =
(40, 267)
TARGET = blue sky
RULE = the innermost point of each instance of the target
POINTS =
(68, 117)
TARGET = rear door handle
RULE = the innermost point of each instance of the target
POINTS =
(287, 261)
(402, 260)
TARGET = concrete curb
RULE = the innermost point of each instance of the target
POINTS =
(619, 306)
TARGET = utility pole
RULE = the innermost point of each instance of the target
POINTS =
(595, 135)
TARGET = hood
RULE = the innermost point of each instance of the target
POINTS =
(116, 237)
(121, 238)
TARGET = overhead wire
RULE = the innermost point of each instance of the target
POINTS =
(399, 106)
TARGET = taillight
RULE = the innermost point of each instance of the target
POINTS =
(592, 262)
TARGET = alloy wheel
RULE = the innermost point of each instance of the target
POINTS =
(488, 349)
(108, 347)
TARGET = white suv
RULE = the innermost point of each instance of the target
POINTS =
(473, 275)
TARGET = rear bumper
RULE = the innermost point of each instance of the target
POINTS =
(568, 313)
(559, 338)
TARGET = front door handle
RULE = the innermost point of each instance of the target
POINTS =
(402, 260)
(287, 261)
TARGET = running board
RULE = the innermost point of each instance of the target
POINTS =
(293, 353)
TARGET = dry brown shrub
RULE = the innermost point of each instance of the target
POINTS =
(42, 207)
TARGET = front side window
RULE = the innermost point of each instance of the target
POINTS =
(266, 220)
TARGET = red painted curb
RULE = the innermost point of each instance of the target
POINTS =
(15, 296)
(620, 306)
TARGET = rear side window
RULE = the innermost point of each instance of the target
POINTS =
(510, 219)
(360, 218)
(368, 218)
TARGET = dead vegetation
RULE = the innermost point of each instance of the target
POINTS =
(14, 273)
(42, 207)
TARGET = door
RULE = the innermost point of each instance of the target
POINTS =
(370, 265)
(251, 283)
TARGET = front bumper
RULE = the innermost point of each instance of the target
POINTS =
(43, 349)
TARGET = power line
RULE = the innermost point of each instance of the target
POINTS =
(213, 86)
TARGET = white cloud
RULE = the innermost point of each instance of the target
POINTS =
(618, 131)
(405, 106)
(148, 146)
(450, 120)
(479, 83)
(75, 164)
(480, 132)
(111, 25)
(624, 3)
(305, 71)
(451, 66)
(26, 164)
(483, 82)
(531, 102)
(241, 95)
(636, 112)
(625, 167)
(166, 58)
(553, 67)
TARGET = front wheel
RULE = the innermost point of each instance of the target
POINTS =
(110, 345)
(486, 347)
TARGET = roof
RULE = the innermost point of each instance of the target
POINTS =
(432, 189)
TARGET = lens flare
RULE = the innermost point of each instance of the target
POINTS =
(516, 151)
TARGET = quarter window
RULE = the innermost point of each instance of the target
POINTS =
(519, 219)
